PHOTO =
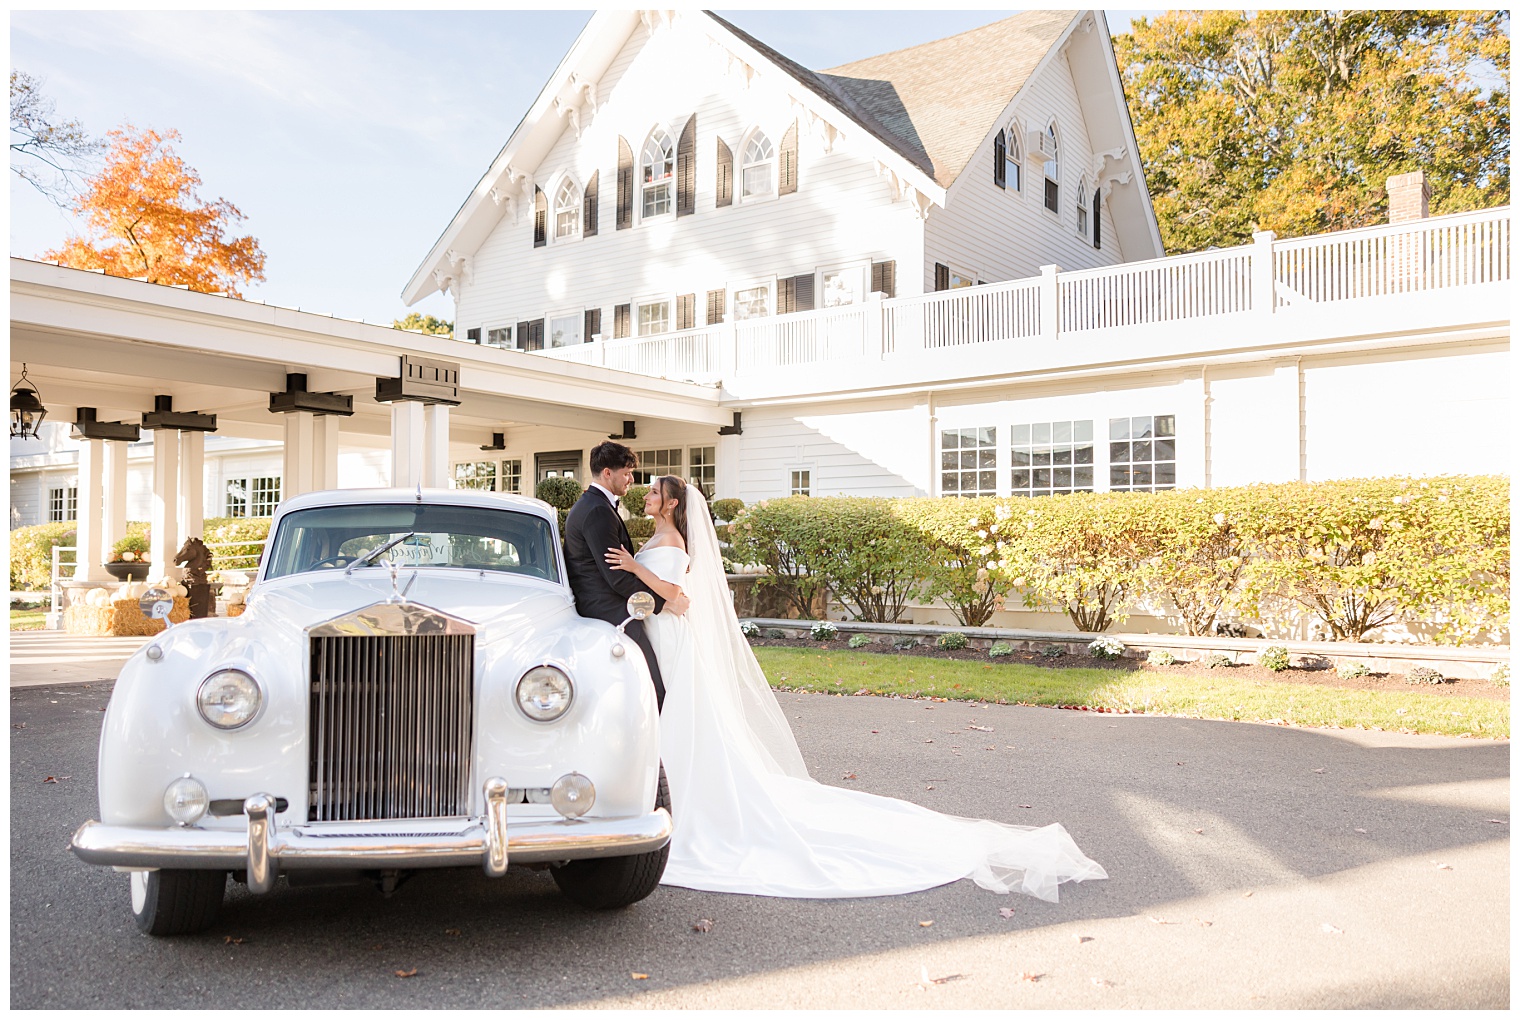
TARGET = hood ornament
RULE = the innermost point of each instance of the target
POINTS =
(398, 594)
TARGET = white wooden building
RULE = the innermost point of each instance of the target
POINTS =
(929, 272)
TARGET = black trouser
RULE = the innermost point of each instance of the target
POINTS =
(635, 630)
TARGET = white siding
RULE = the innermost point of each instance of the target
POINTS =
(842, 211)
(1409, 413)
(1254, 424)
(883, 451)
(996, 234)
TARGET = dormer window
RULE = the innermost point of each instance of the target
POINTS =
(659, 166)
(758, 162)
(567, 210)
(1050, 148)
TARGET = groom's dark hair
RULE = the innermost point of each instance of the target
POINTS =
(611, 455)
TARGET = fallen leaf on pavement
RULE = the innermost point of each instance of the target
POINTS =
(1158, 920)
(1491, 821)
(926, 924)
(984, 729)
(1330, 929)
(1005, 912)
(1204, 924)
(407, 973)
(1199, 831)
(1361, 830)
(876, 731)
(637, 976)
(1440, 866)
(1182, 763)
(20, 725)
(229, 940)
(1101, 983)
(451, 931)
(850, 775)
(1319, 771)
(928, 787)
(929, 741)
(1026, 805)
(1030, 976)
(51, 779)
(1082, 938)
(1248, 894)
(925, 980)
(705, 925)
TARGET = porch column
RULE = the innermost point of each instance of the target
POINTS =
(90, 524)
(164, 523)
(192, 484)
(324, 469)
(114, 498)
(726, 485)
(435, 456)
(298, 454)
(407, 443)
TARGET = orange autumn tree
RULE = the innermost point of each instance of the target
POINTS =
(144, 220)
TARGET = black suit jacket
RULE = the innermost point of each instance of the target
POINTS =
(592, 528)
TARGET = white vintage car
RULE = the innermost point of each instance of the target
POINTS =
(409, 687)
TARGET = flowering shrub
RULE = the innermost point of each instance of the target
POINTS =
(1161, 657)
(250, 530)
(32, 553)
(726, 509)
(1500, 676)
(824, 630)
(953, 641)
(1425, 675)
(859, 640)
(1352, 670)
(1273, 657)
(749, 629)
(134, 545)
(963, 573)
(999, 649)
(1106, 648)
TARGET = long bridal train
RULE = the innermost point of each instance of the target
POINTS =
(749, 819)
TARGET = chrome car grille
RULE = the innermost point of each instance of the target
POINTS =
(390, 726)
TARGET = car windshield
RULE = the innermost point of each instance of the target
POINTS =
(460, 537)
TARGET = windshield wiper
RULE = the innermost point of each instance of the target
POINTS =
(367, 557)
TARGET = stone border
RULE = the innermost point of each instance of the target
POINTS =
(1477, 663)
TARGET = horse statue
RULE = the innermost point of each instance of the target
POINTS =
(196, 559)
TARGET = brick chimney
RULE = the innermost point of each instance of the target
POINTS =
(1408, 197)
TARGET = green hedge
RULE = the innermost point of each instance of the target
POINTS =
(236, 529)
(1354, 555)
(32, 553)
(31, 547)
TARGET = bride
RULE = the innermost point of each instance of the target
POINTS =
(748, 818)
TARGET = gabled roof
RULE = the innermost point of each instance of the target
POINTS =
(941, 99)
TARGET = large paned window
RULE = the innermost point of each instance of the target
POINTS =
(253, 497)
(1052, 457)
(752, 302)
(567, 210)
(1015, 159)
(511, 476)
(63, 504)
(565, 330)
(654, 463)
(758, 162)
(500, 336)
(703, 470)
(654, 317)
(659, 166)
(1142, 453)
(478, 475)
(968, 462)
(802, 482)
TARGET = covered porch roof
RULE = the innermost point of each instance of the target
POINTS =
(91, 340)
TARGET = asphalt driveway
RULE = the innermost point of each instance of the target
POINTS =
(1250, 866)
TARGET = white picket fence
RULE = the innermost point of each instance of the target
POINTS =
(1447, 252)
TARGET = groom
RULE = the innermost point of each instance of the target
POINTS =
(593, 527)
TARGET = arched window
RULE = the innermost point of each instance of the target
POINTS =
(1050, 148)
(1015, 171)
(1082, 208)
(758, 163)
(567, 209)
(659, 162)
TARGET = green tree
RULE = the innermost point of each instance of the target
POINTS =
(1292, 121)
(425, 324)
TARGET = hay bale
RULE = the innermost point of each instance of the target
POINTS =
(122, 618)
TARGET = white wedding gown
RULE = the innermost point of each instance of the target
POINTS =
(748, 819)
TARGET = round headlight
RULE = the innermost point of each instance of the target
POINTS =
(185, 799)
(229, 698)
(572, 795)
(544, 693)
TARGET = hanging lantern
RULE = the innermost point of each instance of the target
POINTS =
(27, 411)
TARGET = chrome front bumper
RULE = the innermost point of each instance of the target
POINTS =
(488, 842)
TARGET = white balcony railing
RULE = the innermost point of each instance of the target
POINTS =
(1258, 279)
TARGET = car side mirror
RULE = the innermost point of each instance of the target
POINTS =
(640, 605)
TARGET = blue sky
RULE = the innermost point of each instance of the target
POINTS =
(349, 139)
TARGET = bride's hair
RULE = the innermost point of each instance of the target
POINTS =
(674, 487)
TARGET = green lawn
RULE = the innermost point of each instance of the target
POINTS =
(1222, 697)
(28, 619)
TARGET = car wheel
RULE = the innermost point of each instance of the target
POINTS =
(173, 902)
(606, 883)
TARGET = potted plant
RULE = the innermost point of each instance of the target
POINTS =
(129, 559)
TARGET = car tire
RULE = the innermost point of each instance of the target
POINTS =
(175, 902)
(607, 883)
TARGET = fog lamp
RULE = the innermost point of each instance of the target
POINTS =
(572, 795)
(186, 800)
